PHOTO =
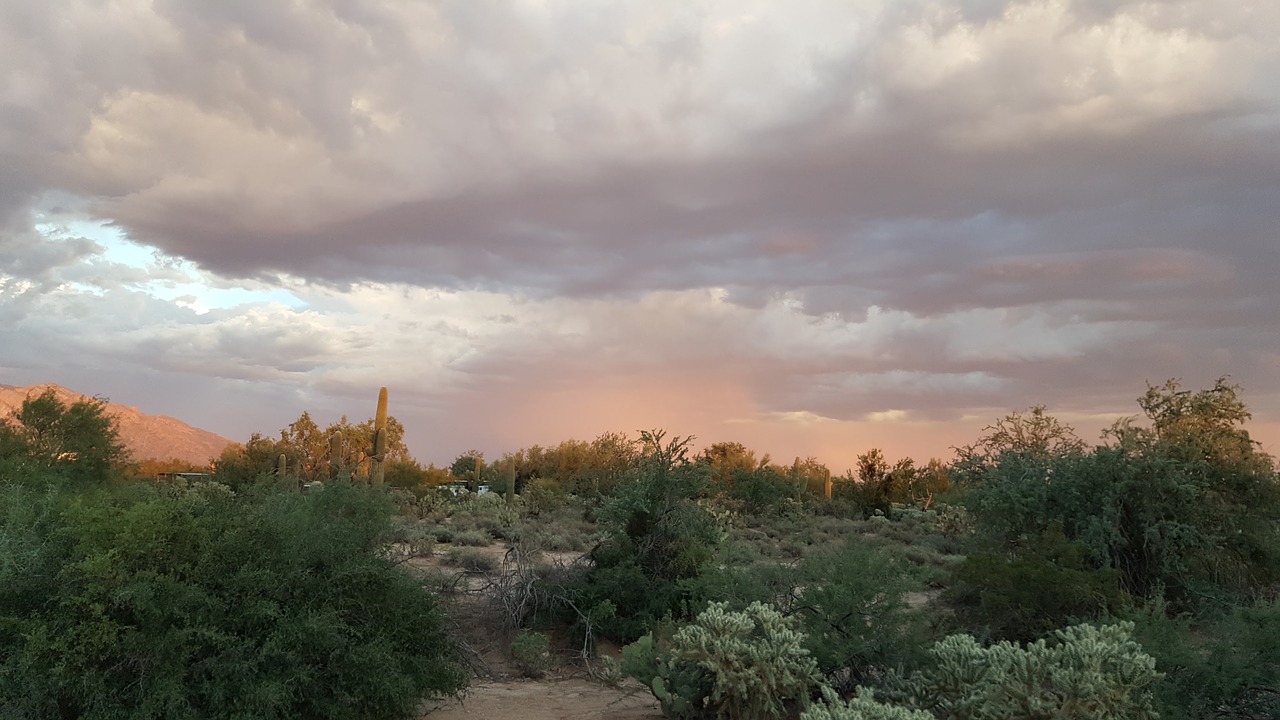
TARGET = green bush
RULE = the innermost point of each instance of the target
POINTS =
(1183, 510)
(763, 491)
(747, 665)
(543, 496)
(471, 560)
(657, 538)
(1047, 585)
(473, 538)
(848, 600)
(851, 605)
(198, 604)
(532, 652)
(1226, 667)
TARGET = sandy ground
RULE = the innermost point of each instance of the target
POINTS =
(571, 699)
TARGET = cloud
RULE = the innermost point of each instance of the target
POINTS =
(878, 212)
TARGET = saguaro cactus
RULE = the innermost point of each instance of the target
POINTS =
(335, 456)
(377, 470)
(511, 480)
(282, 465)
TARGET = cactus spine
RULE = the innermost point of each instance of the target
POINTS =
(377, 470)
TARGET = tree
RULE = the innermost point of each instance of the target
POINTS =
(657, 536)
(242, 465)
(466, 466)
(1183, 509)
(810, 475)
(1033, 436)
(728, 460)
(1195, 479)
(78, 442)
(304, 440)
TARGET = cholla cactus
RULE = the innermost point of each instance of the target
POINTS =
(862, 707)
(747, 665)
(1080, 673)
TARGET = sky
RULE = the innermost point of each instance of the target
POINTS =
(813, 227)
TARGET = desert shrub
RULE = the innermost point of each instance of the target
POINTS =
(471, 560)
(746, 665)
(532, 652)
(1047, 585)
(473, 538)
(848, 600)
(1184, 509)
(204, 605)
(408, 539)
(763, 491)
(1079, 673)
(442, 534)
(543, 496)
(657, 537)
(555, 542)
(1227, 667)
(478, 504)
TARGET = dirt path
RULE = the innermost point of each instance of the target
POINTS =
(547, 700)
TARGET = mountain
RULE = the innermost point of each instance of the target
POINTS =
(145, 436)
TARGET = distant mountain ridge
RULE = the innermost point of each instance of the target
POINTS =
(145, 436)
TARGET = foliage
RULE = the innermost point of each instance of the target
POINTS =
(1033, 434)
(152, 468)
(1079, 673)
(851, 604)
(657, 536)
(1227, 667)
(589, 470)
(810, 476)
(762, 491)
(744, 665)
(728, 461)
(45, 438)
(195, 603)
(240, 466)
(848, 600)
(1047, 584)
(307, 452)
(543, 496)
(863, 706)
(1182, 510)
(532, 652)
(471, 560)
(467, 465)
